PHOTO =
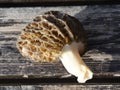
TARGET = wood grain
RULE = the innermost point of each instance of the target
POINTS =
(102, 24)
(62, 87)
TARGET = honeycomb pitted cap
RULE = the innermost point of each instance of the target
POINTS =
(44, 38)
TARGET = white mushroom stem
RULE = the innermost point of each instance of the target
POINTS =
(73, 62)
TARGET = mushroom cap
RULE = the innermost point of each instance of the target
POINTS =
(44, 38)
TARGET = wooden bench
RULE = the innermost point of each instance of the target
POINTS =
(102, 24)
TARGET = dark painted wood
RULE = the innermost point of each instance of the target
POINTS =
(102, 23)
(35, 3)
(28, 1)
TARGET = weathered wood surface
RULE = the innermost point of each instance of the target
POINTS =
(62, 87)
(102, 23)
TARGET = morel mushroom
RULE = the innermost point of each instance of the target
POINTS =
(56, 35)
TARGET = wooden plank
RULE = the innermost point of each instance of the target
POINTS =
(102, 24)
(29, 1)
(62, 87)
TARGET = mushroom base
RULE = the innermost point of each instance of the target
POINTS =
(73, 62)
